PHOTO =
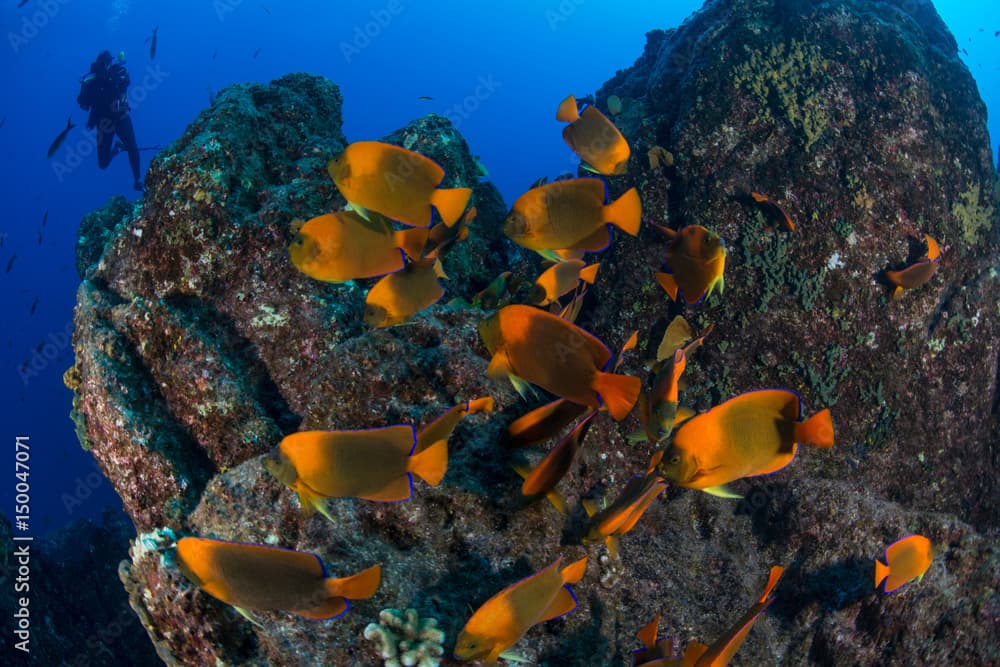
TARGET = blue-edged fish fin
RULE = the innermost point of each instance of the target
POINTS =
(722, 491)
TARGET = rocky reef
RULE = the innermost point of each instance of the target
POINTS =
(198, 346)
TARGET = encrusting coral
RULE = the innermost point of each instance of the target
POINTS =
(407, 639)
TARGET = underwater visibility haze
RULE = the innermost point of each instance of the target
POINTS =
(566, 333)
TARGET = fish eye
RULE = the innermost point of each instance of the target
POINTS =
(675, 459)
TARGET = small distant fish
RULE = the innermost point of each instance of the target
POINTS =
(905, 560)
(397, 296)
(152, 43)
(211, 95)
(39, 237)
(997, 33)
(571, 215)
(34, 305)
(594, 138)
(22, 3)
(560, 279)
(507, 616)
(696, 261)
(425, 98)
(215, 53)
(609, 523)
(266, 10)
(259, 576)
(768, 204)
(3, 121)
(529, 345)
(57, 142)
(964, 51)
(45, 217)
(376, 183)
(256, 53)
(754, 433)
(918, 273)
(10, 262)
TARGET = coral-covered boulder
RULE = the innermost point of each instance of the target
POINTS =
(199, 345)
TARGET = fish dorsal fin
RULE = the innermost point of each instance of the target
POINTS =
(721, 491)
(647, 634)
(563, 603)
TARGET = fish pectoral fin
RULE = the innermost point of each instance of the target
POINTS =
(722, 491)
(549, 255)
(637, 436)
(563, 603)
(360, 210)
(668, 283)
(513, 657)
(331, 608)
(499, 367)
(522, 387)
(247, 615)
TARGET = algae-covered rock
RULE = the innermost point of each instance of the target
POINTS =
(199, 346)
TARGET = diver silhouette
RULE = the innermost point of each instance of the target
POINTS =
(103, 93)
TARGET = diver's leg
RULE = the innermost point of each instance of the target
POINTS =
(127, 134)
(105, 133)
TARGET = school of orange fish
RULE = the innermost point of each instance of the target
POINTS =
(537, 345)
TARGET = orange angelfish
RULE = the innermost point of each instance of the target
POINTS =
(503, 619)
(338, 247)
(374, 464)
(543, 477)
(918, 273)
(530, 345)
(395, 182)
(755, 433)
(571, 215)
(560, 279)
(399, 295)
(610, 523)
(767, 204)
(696, 260)
(905, 560)
(258, 576)
(658, 409)
(543, 423)
(594, 138)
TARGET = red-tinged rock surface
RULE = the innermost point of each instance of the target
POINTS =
(199, 346)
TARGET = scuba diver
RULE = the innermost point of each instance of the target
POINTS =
(103, 93)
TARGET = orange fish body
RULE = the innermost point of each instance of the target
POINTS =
(338, 247)
(257, 576)
(395, 182)
(503, 619)
(571, 215)
(722, 650)
(918, 273)
(537, 347)
(562, 278)
(593, 137)
(544, 477)
(905, 560)
(374, 464)
(755, 433)
(696, 259)
(768, 204)
(543, 423)
(399, 295)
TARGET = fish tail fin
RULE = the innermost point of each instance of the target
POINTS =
(668, 283)
(431, 464)
(898, 292)
(647, 634)
(625, 213)
(619, 393)
(573, 572)
(772, 581)
(450, 203)
(412, 241)
(881, 572)
(360, 586)
(613, 544)
(484, 404)
(567, 111)
(817, 430)
(588, 274)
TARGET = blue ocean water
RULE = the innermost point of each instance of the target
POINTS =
(497, 70)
